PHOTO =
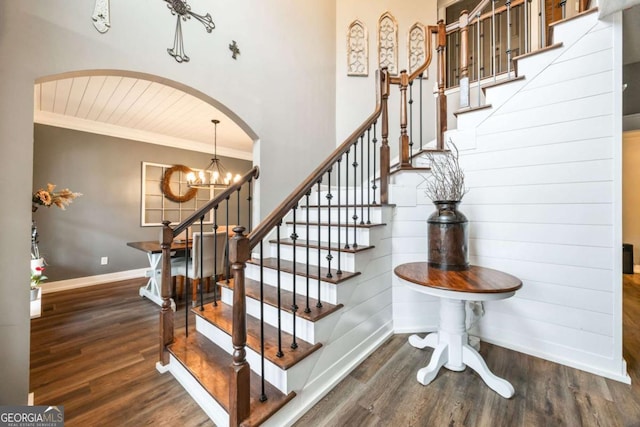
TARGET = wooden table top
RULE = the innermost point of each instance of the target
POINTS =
(479, 280)
(153, 247)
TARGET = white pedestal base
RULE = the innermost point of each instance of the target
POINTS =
(452, 349)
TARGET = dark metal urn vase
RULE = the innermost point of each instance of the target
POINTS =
(448, 237)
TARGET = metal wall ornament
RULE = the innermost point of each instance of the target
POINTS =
(235, 50)
(417, 47)
(183, 12)
(357, 49)
(388, 43)
(100, 17)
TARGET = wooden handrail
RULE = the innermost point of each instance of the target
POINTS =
(168, 234)
(431, 29)
(474, 18)
(404, 80)
(456, 25)
(263, 229)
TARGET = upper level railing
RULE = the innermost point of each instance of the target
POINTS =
(481, 44)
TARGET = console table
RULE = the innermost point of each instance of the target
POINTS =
(450, 342)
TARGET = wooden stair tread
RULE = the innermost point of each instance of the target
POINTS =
(323, 245)
(501, 82)
(209, 365)
(221, 316)
(335, 224)
(471, 109)
(252, 290)
(301, 270)
(349, 205)
(420, 169)
(537, 52)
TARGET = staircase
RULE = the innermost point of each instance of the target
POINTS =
(311, 294)
(339, 320)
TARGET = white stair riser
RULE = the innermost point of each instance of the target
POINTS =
(347, 196)
(371, 214)
(327, 290)
(497, 95)
(347, 259)
(305, 330)
(346, 234)
(473, 118)
(273, 374)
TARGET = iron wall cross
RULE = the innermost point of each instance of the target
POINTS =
(183, 12)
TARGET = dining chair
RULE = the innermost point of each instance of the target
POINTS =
(206, 260)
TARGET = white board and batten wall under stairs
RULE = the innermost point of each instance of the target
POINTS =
(544, 203)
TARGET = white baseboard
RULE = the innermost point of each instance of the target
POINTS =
(81, 282)
(636, 268)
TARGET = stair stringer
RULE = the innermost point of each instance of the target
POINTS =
(540, 149)
(362, 325)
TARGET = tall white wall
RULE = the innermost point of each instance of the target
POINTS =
(281, 88)
(544, 172)
(355, 96)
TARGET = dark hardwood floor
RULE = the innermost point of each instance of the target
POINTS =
(94, 351)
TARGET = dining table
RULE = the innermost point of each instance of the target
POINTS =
(152, 290)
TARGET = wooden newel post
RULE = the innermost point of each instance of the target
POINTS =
(385, 157)
(166, 313)
(441, 104)
(239, 254)
(404, 138)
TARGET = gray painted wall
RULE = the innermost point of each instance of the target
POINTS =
(107, 171)
(281, 89)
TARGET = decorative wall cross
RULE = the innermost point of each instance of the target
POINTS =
(235, 50)
(100, 16)
(183, 12)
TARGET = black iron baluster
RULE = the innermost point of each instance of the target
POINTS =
(294, 307)
(319, 240)
(362, 179)
(411, 122)
(263, 395)
(306, 308)
(374, 187)
(355, 193)
(215, 256)
(346, 201)
(420, 110)
(238, 207)
(329, 196)
(227, 269)
(339, 271)
(368, 175)
(249, 204)
(201, 281)
(187, 283)
(279, 353)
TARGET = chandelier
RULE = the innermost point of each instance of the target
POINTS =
(215, 174)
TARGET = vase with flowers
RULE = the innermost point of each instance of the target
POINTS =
(37, 277)
(44, 197)
(447, 231)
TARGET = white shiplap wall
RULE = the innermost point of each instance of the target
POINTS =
(544, 206)
(543, 168)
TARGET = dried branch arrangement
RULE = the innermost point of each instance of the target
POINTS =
(446, 181)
